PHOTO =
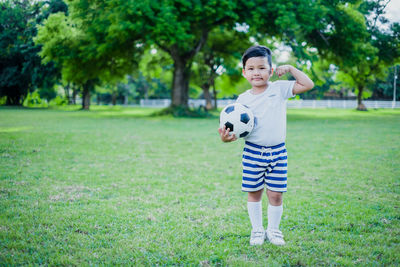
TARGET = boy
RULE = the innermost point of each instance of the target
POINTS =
(264, 155)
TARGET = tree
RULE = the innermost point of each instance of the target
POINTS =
(322, 74)
(60, 40)
(383, 88)
(21, 70)
(155, 74)
(112, 30)
(84, 55)
(342, 32)
(222, 51)
(378, 52)
(180, 28)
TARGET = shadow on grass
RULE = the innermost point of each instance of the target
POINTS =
(144, 112)
(95, 111)
(341, 114)
(185, 112)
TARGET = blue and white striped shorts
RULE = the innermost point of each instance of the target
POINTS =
(264, 166)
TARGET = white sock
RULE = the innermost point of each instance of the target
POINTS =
(274, 216)
(255, 214)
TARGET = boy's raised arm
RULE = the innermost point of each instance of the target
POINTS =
(303, 83)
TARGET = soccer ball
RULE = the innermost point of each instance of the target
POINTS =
(238, 118)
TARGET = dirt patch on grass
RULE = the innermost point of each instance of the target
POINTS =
(72, 193)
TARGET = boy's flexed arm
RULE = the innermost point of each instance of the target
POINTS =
(303, 83)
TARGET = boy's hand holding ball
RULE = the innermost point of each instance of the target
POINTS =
(225, 136)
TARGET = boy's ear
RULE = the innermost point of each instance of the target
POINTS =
(272, 71)
(243, 72)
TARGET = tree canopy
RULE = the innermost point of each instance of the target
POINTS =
(20, 65)
(88, 43)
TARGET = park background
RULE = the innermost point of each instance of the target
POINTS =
(120, 52)
(88, 177)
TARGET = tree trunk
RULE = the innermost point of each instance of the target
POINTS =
(180, 83)
(74, 93)
(182, 68)
(207, 95)
(14, 96)
(86, 96)
(206, 91)
(360, 105)
(14, 100)
(114, 99)
(215, 95)
(66, 90)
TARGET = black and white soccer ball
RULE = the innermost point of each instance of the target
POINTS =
(238, 118)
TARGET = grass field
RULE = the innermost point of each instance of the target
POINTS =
(115, 187)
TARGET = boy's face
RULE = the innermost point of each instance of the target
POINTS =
(257, 71)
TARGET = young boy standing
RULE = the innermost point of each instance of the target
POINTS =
(264, 154)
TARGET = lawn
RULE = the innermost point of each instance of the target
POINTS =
(115, 186)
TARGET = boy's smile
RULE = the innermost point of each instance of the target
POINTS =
(257, 72)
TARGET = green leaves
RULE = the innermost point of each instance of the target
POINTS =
(88, 39)
(20, 67)
(106, 39)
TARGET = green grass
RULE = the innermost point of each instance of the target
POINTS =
(116, 187)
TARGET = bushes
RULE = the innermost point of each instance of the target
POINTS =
(200, 112)
(58, 101)
(33, 100)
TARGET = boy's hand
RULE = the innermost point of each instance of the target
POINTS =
(282, 70)
(225, 136)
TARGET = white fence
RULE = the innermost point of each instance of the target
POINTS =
(291, 103)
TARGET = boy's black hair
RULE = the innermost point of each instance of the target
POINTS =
(257, 51)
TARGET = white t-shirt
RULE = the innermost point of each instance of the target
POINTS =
(269, 109)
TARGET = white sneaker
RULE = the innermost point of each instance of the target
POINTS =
(275, 237)
(257, 237)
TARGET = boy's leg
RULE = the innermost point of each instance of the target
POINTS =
(275, 210)
(254, 208)
(255, 196)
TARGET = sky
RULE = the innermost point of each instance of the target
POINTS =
(393, 11)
